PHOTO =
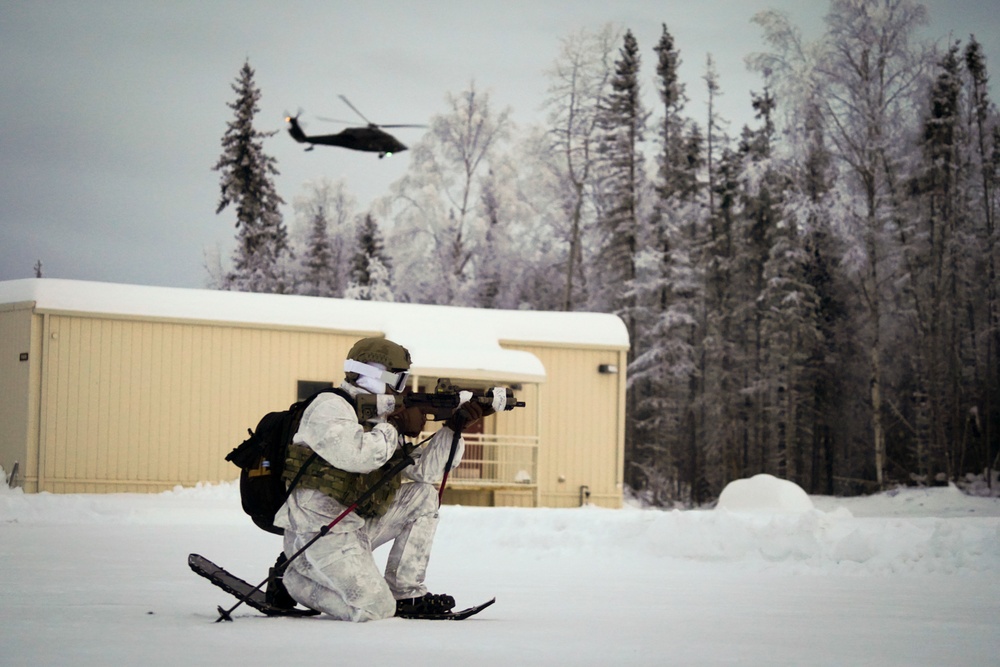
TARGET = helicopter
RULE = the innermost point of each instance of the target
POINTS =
(371, 138)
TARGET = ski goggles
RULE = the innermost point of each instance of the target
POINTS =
(395, 381)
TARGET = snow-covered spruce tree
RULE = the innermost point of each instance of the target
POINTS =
(319, 272)
(664, 358)
(672, 177)
(789, 311)
(759, 214)
(946, 246)
(324, 238)
(715, 136)
(492, 275)
(931, 284)
(622, 121)
(706, 463)
(808, 205)
(818, 203)
(677, 324)
(246, 183)
(723, 343)
(370, 268)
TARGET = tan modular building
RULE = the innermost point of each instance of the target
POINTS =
(126, 388)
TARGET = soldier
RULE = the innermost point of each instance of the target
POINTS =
(338, 575)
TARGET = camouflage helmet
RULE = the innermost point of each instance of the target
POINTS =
(393, 356)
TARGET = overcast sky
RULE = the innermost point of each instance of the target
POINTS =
(113, 112)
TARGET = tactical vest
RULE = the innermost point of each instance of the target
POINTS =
(344, 487)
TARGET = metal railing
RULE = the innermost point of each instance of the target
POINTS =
(494, 461)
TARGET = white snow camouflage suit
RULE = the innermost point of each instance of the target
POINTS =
(338, 575)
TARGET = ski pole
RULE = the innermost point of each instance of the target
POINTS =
(447, 466)
(407, 460)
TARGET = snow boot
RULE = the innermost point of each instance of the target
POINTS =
(277, 595)
(429, 603)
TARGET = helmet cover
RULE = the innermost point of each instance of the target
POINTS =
(392, 356)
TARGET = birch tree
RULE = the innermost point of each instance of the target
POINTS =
(986, 170)
(578, 80)
(867, 69)
(437, 205)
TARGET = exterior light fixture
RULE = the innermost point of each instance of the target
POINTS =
(608, 369)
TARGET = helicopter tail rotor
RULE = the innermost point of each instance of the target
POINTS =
(294, 128)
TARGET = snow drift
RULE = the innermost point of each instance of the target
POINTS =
(757, 523)
(904, 578)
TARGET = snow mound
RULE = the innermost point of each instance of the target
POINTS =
(764, 493)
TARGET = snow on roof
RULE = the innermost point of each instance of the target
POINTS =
(440, 338)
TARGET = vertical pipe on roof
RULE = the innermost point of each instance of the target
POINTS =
(620, 430)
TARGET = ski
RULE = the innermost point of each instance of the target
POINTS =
(460, 615)
(240, 589)
(257, 599)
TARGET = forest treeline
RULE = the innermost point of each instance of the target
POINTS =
(813, 297)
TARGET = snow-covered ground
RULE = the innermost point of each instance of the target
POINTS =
(904, 578)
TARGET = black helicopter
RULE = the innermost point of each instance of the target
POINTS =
(371, 139)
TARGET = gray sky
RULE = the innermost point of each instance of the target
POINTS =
(113, 111)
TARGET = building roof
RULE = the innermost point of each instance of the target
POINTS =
(441, 339)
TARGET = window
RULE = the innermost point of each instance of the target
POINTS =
(309, 387)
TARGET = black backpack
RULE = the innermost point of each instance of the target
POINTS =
(261, 460)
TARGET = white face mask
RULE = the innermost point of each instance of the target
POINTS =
(370, 384)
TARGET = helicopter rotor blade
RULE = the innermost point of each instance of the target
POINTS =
(424, 126)
(333, 120)
(354, 109)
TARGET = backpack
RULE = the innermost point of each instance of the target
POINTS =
(261, 460)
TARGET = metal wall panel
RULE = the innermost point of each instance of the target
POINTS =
(141, 405)
(582, 432)
(15, 390)
(144, 405)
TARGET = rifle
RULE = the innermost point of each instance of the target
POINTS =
(439, 404)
